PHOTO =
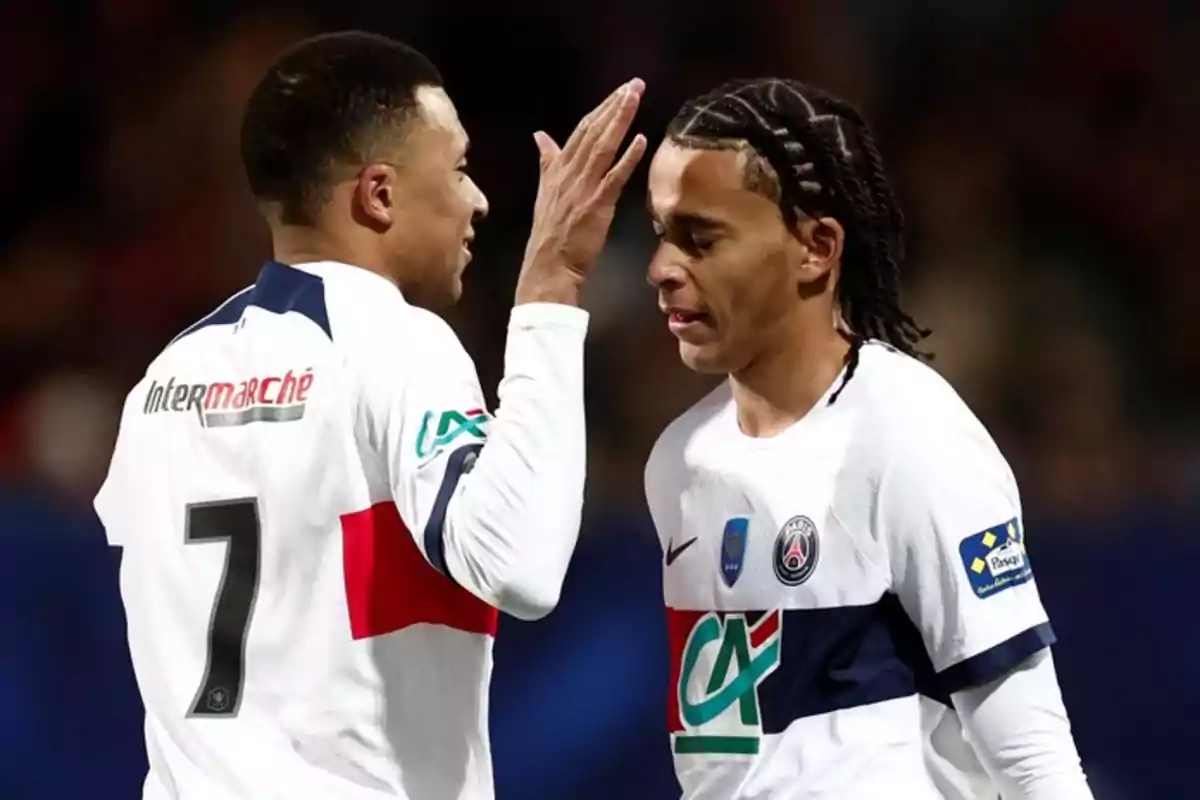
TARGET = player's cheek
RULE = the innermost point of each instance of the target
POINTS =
(737, 293)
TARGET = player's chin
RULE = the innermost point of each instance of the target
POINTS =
(706, 358)
(442, 295)
(454, 283)
(454, 289)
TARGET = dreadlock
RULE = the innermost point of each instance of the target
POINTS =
(824, 162)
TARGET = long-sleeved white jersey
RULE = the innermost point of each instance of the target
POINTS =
(316, 538)
(851, 608)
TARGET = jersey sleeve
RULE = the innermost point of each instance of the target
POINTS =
(109, 498)
(494, 503)
(1018, 725)
(955, 539)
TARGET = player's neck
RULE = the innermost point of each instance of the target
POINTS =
(302, 245)
(788, 378)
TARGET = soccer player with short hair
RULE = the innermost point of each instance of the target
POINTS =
(318, 516)
(852, 612)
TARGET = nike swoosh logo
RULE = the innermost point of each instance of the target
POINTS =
(674, 552)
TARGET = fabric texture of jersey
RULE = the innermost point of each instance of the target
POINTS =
(316, 538)
(829, 588)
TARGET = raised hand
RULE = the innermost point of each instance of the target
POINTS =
(577, 197)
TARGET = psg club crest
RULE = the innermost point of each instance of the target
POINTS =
(796, 551)
(733, 549)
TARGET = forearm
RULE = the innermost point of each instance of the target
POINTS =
(1018, 726)
(514, 521)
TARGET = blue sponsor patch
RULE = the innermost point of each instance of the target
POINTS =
(995, 559)
(733, 548)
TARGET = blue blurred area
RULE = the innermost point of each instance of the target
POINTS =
(70, 715)
(1045, 155)
(579, 699)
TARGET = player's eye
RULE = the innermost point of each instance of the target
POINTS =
(702, 244)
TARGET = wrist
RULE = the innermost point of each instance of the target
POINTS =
(560, 287)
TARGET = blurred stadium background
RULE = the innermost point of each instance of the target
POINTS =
(1047, 155)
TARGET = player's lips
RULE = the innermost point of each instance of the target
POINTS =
(689, 325)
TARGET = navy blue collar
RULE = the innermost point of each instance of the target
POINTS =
(279, 289)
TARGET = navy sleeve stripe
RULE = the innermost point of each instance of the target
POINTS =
(460, 463)
(994, 662)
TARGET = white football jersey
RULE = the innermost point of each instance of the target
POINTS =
(316, 541)
(830, 587)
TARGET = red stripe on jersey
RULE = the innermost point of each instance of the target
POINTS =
(679, 628)
(764, 629)
(390, 585)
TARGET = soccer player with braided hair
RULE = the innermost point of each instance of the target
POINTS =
(851, 606)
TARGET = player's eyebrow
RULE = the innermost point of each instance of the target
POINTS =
(688, 219)
(694, 220)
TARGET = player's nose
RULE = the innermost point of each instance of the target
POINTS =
(479, 203)
(665, 272)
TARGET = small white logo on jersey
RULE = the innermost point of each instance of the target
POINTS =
(224, 404)
(1006, 558)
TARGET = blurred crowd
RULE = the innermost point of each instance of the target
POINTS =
(1045, 153)
(1046, 159)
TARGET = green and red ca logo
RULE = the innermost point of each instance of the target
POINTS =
(439, 429)
(724, 660)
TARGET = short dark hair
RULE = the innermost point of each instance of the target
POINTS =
(324, 103)
(822, 160)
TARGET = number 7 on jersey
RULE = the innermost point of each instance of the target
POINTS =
(235, 522)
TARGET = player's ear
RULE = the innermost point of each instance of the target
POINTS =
(821, 240)
(375, 195)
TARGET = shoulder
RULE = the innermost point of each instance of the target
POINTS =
(384, 333)
(693, 428)
(435, 336)
(407, 364)
(907, 412)
(136, 400)
(920, 451)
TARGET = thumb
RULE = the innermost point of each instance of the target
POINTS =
(546, 148)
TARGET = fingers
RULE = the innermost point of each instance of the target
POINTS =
(547, 148)
(618, 176)
(585, 124)
(603, 145)
(601, 141)
(595, 120)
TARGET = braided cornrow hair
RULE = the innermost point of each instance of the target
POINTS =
(825, 163)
